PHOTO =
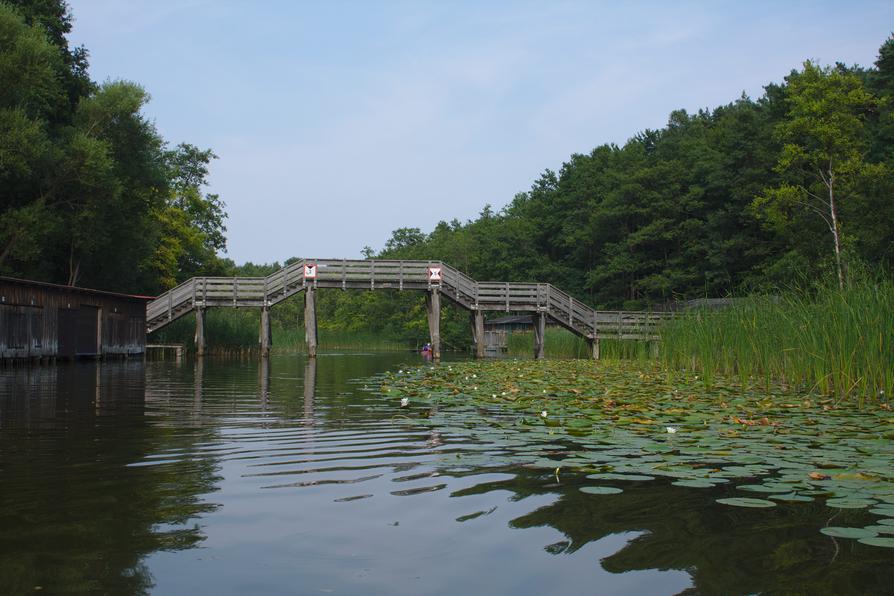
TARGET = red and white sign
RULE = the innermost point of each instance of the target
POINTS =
(310, 271)
(434, 274)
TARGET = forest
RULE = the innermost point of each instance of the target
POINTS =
(90, 194)
(756, 196)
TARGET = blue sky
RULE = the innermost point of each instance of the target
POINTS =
(337, 122)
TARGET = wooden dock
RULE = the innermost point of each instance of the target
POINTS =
(435, 278)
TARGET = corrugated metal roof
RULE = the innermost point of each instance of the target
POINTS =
(43, 284)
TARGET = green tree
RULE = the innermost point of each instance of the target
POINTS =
(825, 143)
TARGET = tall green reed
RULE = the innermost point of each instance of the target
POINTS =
(836, 342)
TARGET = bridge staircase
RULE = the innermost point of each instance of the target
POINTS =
(435, 277)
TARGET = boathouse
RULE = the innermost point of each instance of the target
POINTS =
(41, 320)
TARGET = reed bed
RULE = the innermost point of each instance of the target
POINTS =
(836, 342)
(561, 343)
(236, 331)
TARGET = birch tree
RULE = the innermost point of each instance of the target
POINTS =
(824, 147)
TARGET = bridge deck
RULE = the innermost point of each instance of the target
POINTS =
(345, 274)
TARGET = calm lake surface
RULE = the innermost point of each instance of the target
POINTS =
(288, 477)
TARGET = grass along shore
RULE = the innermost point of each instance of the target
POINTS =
(228, 331)
(835, 342)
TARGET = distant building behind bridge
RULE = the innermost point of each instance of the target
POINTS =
(41, 320)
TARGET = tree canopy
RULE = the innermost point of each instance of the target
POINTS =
(90, 193)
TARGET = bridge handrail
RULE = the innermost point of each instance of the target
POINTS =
(280, 284)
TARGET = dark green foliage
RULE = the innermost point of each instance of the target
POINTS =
(90, 195)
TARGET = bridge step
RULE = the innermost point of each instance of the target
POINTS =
(263, 292)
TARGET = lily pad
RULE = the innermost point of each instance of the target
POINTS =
(849, 503)
(747, 502)
(791, 498)
(601, 490)
(762, 488)
(694, 483)
(615, 476)
(883, 541)
(842, 532)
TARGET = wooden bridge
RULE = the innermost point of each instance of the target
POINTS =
(435, 278)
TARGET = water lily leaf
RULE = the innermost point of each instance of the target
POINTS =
(762, 488)
(601, 490)
(850, 503)
(791, 498)
(883, 541)
(695, 483)
(841, 532)
(616, 476)
(746, 502)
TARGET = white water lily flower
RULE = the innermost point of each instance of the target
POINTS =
(493, 395)
(404, 402)
(543, 414)
(671, 429)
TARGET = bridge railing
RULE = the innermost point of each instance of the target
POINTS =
(170, 300)
(511, 296)
(465, 287)
(357, 273)
(354, 272)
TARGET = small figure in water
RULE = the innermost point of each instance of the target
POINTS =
(426, 351)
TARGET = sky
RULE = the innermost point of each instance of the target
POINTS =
(337, 122)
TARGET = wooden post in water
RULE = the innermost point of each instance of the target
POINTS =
(264, 338)
(310, 321)
(594, 347)
(539, 333)
(478, 332)
(200, 331)
(433, 309)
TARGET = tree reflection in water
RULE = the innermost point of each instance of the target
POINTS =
(75, 514)
(726, 550)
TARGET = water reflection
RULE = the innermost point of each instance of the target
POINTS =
(292, 479)
(74, 517)
(310, 387)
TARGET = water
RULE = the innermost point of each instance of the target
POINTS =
(238, 477)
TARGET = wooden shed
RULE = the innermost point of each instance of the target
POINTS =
(41, 320)
(496, 331)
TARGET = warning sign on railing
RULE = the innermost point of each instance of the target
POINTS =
(434, 274)
(310, 271)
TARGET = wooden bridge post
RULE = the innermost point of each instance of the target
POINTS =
(539, 334)
(310, 321)
(433, 309)
(200, 331)
(594, 347)
(478, 332)
(264, 338)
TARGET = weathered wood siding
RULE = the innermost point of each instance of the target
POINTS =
(45, 320)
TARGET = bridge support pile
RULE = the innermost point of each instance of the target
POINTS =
(264, 337)
(435, 278)
(310, 321)
(478, 333)
(200, 331)
(539, 335)
(433, 310)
